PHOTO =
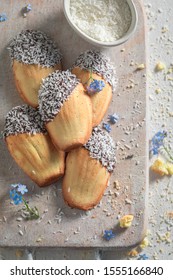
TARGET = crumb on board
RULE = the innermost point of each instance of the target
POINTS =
(133, 253)
(160, 66)
(126, 221)
(158, 90)
(116, 185)
(39, 239)
(19, 253)
(164, 29)
(140, 66)
(20, 232)
(161, 167)
(144, 243)
(170, 214)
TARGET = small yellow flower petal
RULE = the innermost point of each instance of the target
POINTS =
(126, 221)
(169, 167)
(160, 167)
(144, 243)
(133, 253)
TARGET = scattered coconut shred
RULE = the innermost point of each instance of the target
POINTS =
(23, 119)
(103, 20)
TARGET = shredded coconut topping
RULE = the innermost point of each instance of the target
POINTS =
(102, 147)
(23, 119)
(99, 64)
(54, 91)
(34, 47)
(103, 20)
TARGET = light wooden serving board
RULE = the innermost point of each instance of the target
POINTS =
(59, 225)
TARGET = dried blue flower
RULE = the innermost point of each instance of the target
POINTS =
(113, 118)
(3, 17)
(17, 198)
(157, 141)
(107, 127)
(95, 86)
(143, 257)
(28, 8)
(12, 193)
(108, 235)
(22, 189)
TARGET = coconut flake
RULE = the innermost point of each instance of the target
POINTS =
(99, 64)
(34, 47)
(54, 91)
(23, 119)
(102, 147)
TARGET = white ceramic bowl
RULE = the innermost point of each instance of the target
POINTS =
(120, 41)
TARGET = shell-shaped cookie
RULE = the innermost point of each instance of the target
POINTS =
(34, 56)
(93, 65)
(85, 180)
(100, 100)
(37, 157)
(28, 79)
(88, 170)
(31, 147)
(66, 110)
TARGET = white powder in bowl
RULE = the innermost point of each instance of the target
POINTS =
(103, 20)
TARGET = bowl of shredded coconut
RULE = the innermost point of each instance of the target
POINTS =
(105, 23)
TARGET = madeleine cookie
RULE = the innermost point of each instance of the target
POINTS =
(31, 147)
(88, 170)
(34, 56)
(94, 67)
(66, 110)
